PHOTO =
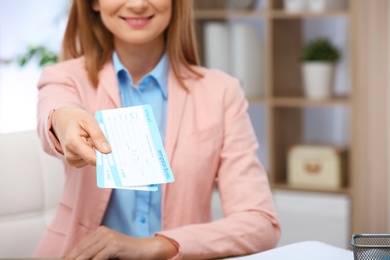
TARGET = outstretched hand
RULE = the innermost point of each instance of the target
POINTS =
(79, 135)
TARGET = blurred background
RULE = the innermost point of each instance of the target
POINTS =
(324, 137)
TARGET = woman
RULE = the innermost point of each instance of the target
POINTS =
(130, 52)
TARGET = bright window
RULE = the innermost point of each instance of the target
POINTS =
(24, 23)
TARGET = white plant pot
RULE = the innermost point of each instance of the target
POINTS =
(317, 6)
(294, 6)
(318, 79)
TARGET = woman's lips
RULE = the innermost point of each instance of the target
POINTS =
(137, 21)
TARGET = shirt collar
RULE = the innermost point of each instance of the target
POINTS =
(159, 73)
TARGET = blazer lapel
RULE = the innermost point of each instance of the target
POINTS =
(176, 104)
(177, 95)
(108, 86)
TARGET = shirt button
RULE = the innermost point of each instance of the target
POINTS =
(143, 220)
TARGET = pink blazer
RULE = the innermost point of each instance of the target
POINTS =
(209, 140)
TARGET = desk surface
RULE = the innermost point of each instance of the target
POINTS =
(307, 250)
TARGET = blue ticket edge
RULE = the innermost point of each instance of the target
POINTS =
(158, 144)
(99, 169)
(114, 170)
(153, 128)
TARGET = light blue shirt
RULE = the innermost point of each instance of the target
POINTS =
(138, 213)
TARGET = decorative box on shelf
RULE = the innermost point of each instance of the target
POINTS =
(317, 166)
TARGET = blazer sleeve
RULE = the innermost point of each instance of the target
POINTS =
(56, 88)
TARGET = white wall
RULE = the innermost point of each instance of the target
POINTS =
(313, 216)
(24, 23)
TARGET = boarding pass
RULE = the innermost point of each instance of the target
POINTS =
(137, 160)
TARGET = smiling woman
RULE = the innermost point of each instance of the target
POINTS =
(135, 26)
(135, 52)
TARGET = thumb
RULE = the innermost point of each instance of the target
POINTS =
(97, 136)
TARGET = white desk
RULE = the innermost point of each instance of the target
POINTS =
(307, 250)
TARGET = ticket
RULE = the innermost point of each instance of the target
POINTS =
(138, 159)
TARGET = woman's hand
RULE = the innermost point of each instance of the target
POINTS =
(79, 135)
(105, 243)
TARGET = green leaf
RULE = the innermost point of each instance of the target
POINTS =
(320, 49)
(42, 54)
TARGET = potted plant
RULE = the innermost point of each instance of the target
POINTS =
(318, 59)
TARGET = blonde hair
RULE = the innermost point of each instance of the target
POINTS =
(87, 36)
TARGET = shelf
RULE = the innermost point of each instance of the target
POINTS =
(304, 102)
(280, 14)
(258, 100)
(215, 14)
(286, 116)
(287, 187)
(298, 102)
(209, 14)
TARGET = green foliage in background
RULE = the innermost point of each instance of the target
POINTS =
(41, 53)
(320, 49)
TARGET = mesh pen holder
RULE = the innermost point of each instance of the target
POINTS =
(371, 246)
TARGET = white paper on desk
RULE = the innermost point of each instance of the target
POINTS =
(307, 250)
(138, 160)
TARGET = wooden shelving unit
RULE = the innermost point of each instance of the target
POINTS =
(283, 99)
(280, 14)
(285, 87)
(287, 187)
(227, 14)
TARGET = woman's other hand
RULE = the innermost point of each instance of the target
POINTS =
(79, 135)
(105, 243)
